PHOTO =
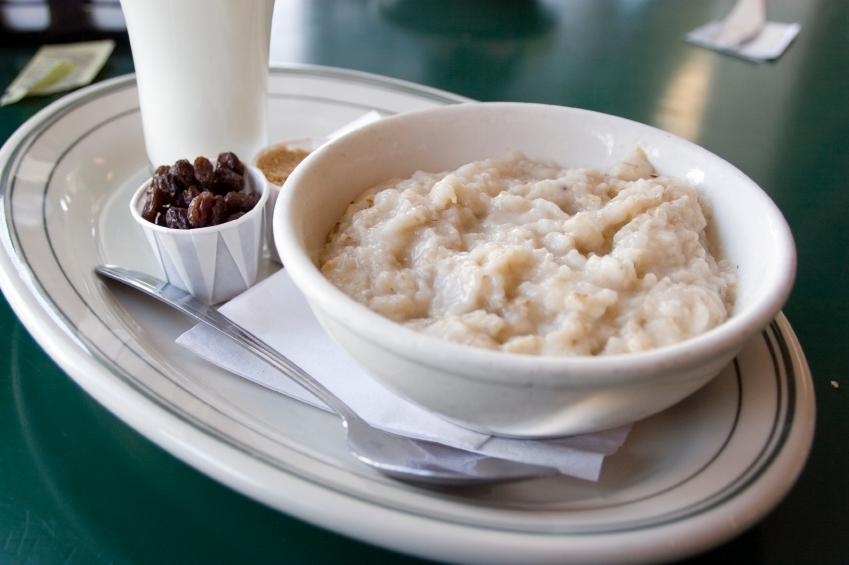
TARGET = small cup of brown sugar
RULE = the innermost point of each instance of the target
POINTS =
(205, 223)
(277, 162)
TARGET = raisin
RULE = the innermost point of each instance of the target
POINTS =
(177, 218)
(227, 181)
(183, 173)
(160, 218)
(187, 195)
(169, 183)
(230, 161)
(218, 214)
(149, 210)
(240, 201)
(206, 209)
(161, 170)
(199, 207)
(158, 196)
(174, 184)
(204, 173)
(235, 216)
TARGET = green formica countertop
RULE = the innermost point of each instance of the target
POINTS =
(79, 486)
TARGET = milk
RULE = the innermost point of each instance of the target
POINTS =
(202, 72)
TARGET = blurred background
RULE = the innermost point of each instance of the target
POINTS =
(72, 476)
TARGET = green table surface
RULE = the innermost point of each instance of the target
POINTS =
(79, 486)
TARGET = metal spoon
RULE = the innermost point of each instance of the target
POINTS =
(397, 456)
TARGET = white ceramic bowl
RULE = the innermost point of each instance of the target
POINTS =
(523, 395)
(214, 263)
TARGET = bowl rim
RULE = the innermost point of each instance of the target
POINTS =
(537, 370)
(257, 180)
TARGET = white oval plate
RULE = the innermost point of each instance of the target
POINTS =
(685, 480)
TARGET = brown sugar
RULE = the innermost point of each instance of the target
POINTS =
(277, 163)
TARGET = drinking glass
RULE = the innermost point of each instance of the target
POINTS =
(202, 73)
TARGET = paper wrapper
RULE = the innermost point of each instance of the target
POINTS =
(276, 312)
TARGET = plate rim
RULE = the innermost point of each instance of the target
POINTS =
(228, 465)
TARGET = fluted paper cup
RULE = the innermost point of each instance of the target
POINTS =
(307, 144)
(214, 263)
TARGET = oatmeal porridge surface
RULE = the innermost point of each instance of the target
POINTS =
(524, 256)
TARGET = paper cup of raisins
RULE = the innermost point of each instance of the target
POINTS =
(205, 223)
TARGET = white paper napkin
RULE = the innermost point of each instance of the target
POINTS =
(774, 38)
(275, 311)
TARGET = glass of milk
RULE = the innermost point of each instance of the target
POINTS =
(202, 73)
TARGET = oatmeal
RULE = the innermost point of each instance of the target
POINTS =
(525, 256)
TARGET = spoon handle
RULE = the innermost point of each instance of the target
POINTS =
(187, 304)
